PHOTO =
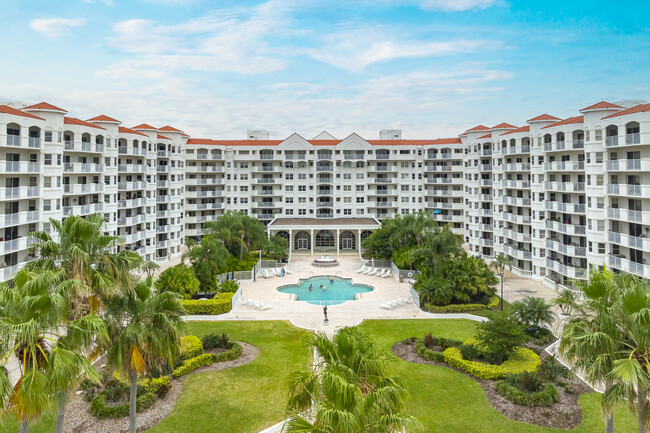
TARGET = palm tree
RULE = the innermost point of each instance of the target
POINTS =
(150, 268)
(32, 311)
(229, 229)
(533, 311)
(208, 258)
(86, 254)
(499, 264)
(144, 329)
(350, 391)
(253, 235)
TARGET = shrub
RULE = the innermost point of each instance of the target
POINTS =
(428, 340)
(526, 382)
(499, 337)
(89, 389)
(469, 352)
(212, 340)
(552, 370)
(520, 360)
(191, 346)
(158, 385)
(546, 397)
(428, 354)
(179, 279)
(233, 352)
(192, 364)
(222, 303)
(228, 286)
(101, 410)
(422, 347)
(533, 311)
(493, 304)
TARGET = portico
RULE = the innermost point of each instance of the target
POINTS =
(320, 236)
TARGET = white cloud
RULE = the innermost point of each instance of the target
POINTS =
(355, 49)
(55, 27)
(448, 5)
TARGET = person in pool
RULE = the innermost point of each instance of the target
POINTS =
(310, 287)
(323, 287)
(331, 280)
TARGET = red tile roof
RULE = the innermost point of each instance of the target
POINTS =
(486, 136)
(75, 121)
(169, 129)
(602, 105)
(324, 142)
(637, 109)
(45, 106)
(543, 118)
(208, 141)
(503, 126)
(123, 130)
(162, 137)
(479, 128)
(521, 129)
(234, 142)
(5, 109)
(104, 118)
(145, 127)
(570, 120)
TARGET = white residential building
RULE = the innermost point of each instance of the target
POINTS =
(556, 196)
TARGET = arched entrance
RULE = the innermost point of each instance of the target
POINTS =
(348, 241)
(283, 234)
(325, 238)
(302, 241)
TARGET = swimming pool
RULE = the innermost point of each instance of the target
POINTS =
(337, 292)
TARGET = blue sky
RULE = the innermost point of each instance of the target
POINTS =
(433, 68)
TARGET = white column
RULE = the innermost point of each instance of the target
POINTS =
(359, 240)
(290, 241)
(311, 243)
(338, 245)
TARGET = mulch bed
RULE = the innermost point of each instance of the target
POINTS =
(78, 417)
(565, 414)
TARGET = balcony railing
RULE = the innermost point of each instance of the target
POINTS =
(21, 167)
(13, 140)
(633, 216)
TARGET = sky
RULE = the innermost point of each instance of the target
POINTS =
(215, 69)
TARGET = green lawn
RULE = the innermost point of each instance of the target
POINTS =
(244, 399)
(448, 401)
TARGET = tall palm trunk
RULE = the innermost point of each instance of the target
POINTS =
(609, 423)
(133, 400)
(642, 409)
(24, 426)
(60, 415)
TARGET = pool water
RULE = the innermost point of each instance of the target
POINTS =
(338, 291)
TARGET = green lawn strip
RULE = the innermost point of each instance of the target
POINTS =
(507, 308)
(448, 401)
(244, 399)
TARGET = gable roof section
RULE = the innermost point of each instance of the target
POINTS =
(123, 130)
(162, 137)
(503, 126)
(44, 106)
(521, 129)
(324, 142)
(637, 109)
(324, 135)
(103, 118)
(169, 129)
(478, 128)
(486, 136)
(544, 118)
(79, 122)
(602, 105)
(568, 121)
(5, 109)
(144, 127)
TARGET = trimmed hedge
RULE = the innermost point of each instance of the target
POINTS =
(520, 361)
(206, 359)
(545, 397)
(191, 347)
(463, 308)
(220, 304)
(430, 355)
(101, 410)
(158, 385)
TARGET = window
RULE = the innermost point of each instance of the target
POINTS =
(360, 175)
(347, 211)
(288, 176)
(360, 199)
(288, 211)
(302, 188)
(360, 188)
(347, 176)
(288, 199)
(302, 176)
(302, 211)
(48, 136)
(347, 188)
(48, 159)
(347, 200)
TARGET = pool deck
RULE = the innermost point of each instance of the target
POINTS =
(310, 316)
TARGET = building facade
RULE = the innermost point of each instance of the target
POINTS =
(556, 196)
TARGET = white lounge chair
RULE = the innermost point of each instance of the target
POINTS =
(385, 306)
(264, 274)
(373, 271)
(387, 274)
(367, 271)
(271, 272)
(287, 271)
(361, 269)
(380, 272)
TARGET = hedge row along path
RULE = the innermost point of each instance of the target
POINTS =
(565, 414)
(78, 418)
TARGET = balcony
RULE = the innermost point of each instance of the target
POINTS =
(380, 180)
(566, 270)
(629, 165)
(445, 155)
(163, 228)
(515, 201)
(485, 167)
(516, 236)
(162, 168)
(164, 154)
(517, 219)
(163, 244)
(350, 155)
(564, 207)
(632, 216)
(623, 140)
(447, 217)
(565, 186)
(132, 220)
(130, 186)
(485, 242)
(206, 168)
(21, 166)
(569, 229)
(87, 147)
(86, 209)
(208, 181)
(515, 184)
(382, 156)
(15, 245)
(443, 205)
(564, 166)
(485, 182)
(204, 206)
(325, 168)
(438, 180)
(163, 198)
(567, 250)
(626, 240)
(131, 168)
(203, 193)
(513, 150)
(516, 253)
(436, 168)
(382, 204)
(623, 264)
(135, 237)
(14, 219)
(19, 193)
(13, 140)
(485, 212)
(265, 181)
(485, 152)
(137, 202)
(517, 167)
(79, 167)
(269, 205)
(628, 190)
(265, 216)
(85, 188)
(164, 184)
(486, 227)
